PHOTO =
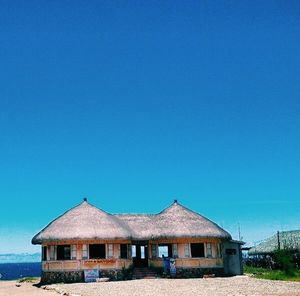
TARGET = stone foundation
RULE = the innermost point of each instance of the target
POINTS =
(112, 274)
(50, 277)
(190, 272)
(198, 272)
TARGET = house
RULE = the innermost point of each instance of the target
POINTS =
(280, 240)
(86, 237)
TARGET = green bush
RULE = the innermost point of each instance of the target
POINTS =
(284, 260)
(269, 274)
(126, 273)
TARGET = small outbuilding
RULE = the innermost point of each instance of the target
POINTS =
(87, 238)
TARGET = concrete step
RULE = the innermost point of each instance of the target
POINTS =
(144, 273)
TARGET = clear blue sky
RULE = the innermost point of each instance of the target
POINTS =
(135, 103)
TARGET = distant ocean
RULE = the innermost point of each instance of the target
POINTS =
(12, 271)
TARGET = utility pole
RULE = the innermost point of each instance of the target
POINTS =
(278, 240)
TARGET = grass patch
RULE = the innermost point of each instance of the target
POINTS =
(28, 280)
(269, 274)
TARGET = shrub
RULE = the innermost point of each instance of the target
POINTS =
(284, 260)
(126, 273)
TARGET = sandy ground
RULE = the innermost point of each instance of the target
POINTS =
(239, 285)
(9, 288)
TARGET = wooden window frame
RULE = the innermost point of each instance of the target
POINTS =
(73, 252)
(154, 251)
(208, 250)
(52, 253)
(187, 250)
(175, 250)
(84, 252)
(110, 251)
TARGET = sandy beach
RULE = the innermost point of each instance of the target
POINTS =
(239, 285)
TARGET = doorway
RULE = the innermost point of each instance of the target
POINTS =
(139, 253)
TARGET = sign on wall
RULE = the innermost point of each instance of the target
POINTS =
(90, 275)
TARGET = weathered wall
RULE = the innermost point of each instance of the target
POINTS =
(115, 263)
(190, 262)
(232, 262)
(86, 264)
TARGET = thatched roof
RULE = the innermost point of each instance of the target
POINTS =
(173, 222)
(287, 239)
(87, 222)
(83, 222)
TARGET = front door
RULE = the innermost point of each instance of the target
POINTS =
(139, 254)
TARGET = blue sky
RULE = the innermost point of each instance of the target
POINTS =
(135, 103)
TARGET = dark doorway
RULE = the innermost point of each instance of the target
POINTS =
(139, 253)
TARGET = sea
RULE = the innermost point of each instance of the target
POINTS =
(13, 271)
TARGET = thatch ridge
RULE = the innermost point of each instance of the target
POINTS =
(178, 221)
(34, 239)
(196, 213)
(86, 221)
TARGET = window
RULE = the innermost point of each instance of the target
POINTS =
(124, 251)
(230, 251)
(63, 252)
(133, 251)
(129, 251)
(197, 250)
(97, 251)
(44, 253)
(84, 252)
(142, 252)
(110, 252)
(208, 250)
(73, 252)
(186, 250)
(153, 251)
(52, 252)
(220, 250)
(175, 250)
(162, 251)
(165, 250)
